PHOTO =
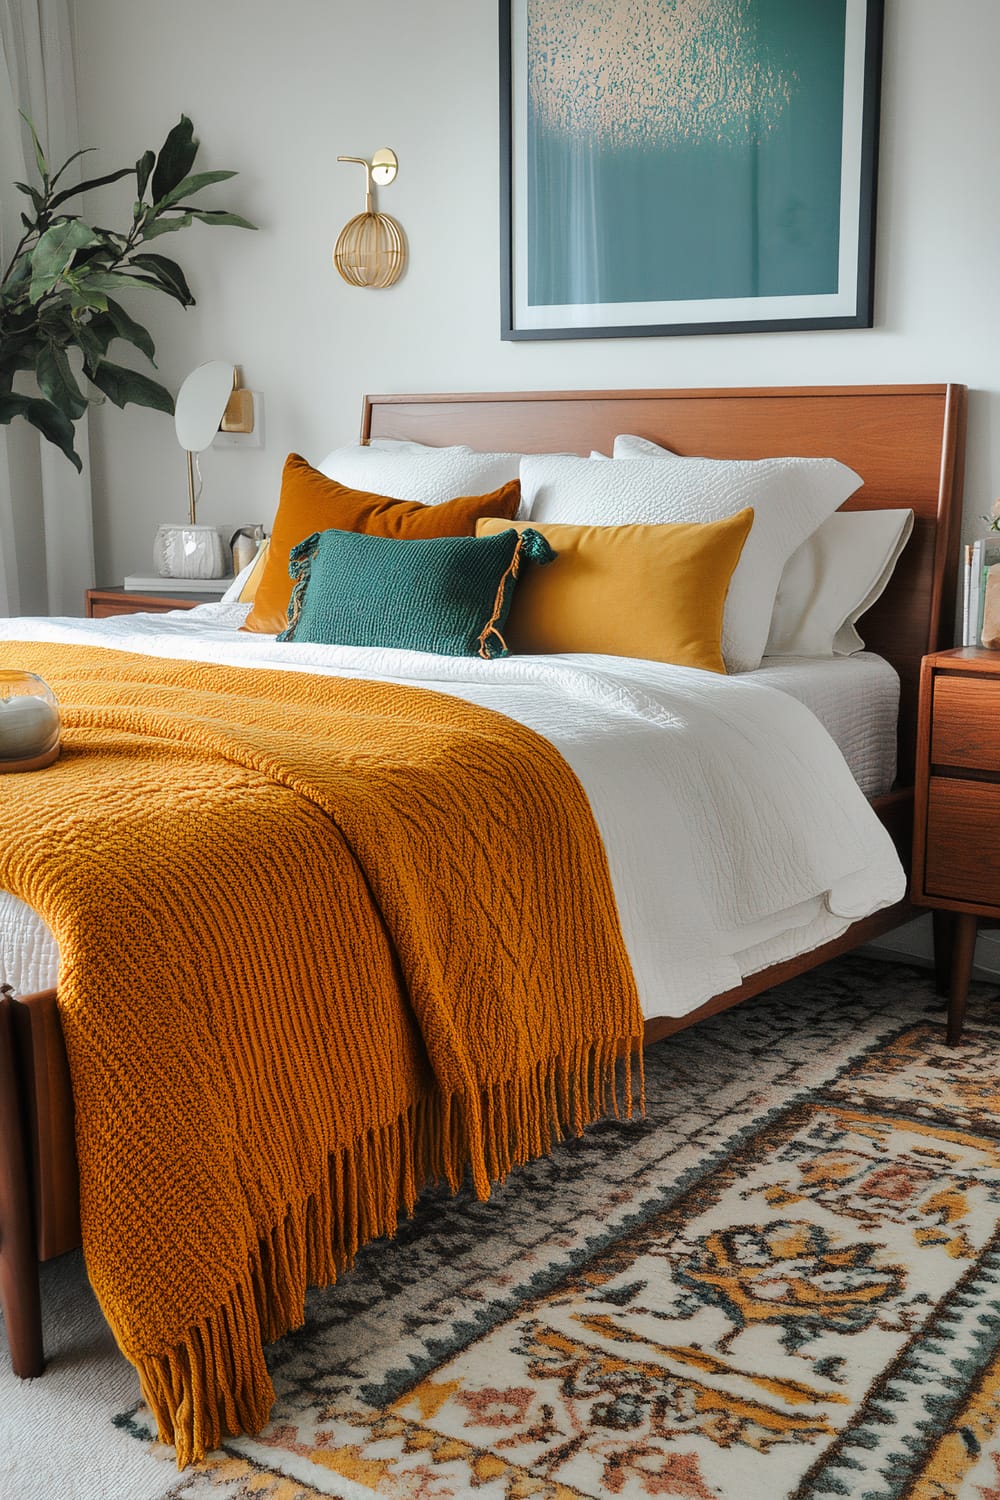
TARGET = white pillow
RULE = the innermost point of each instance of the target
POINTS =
(629, 446)
(790, 498)
(829, 582)
(410, 471)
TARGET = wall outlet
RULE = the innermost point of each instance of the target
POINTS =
(253, 439)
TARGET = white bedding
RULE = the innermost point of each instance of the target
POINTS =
(856, 699)
(735, 832)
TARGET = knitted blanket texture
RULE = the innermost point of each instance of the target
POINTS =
(322, 941)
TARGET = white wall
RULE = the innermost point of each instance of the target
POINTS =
(277, 91)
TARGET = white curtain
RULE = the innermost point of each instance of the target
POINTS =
(46, 516)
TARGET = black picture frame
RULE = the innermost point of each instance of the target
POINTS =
(848, 304)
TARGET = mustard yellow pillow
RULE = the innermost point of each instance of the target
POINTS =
(248, 592)
(655, 592)
(311, 502)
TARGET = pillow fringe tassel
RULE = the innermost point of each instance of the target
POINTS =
(299, 569)
(489, 629)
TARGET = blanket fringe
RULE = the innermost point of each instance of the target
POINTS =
(521, 1118)
(216, 1381)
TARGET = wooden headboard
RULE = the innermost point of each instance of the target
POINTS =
(907, 442)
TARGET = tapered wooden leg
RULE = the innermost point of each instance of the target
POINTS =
(944, 942)
(19, 1296)
(961, 970)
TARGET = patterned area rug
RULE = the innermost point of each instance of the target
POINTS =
(783, 1284)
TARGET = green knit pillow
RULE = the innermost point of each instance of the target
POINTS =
(449, 595)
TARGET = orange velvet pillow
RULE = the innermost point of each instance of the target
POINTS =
(310, 502)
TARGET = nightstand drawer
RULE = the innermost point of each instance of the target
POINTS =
(965, 724)
(118, 601)
(963, 841)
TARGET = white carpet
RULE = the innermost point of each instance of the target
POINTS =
(56, 1442)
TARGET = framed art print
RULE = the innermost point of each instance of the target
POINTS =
(687, 166)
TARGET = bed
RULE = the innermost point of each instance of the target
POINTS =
(906, 442)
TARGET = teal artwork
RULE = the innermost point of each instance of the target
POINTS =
(680, 162)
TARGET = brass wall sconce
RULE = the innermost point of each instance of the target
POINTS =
(371, 250)
(239, 413)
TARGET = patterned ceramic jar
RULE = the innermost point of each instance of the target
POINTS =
(190, 552)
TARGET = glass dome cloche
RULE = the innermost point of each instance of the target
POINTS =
(29, 722)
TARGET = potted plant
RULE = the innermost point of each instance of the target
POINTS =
(58, 291)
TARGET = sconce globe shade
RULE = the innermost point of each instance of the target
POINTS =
(200, 404)
(370, 251)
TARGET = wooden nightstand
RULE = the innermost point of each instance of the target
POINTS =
(117, 601)
(956, 822)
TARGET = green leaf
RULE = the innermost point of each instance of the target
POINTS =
(106, 281)
(12, 288)
(175, 160)
(143, 167)
(157, 227)
(190, 185)
(18, 354)
(113, 242)
(88, 302)
(168, 274)
(47, 418)
(54, 252)
(122, 385)
(127, 328)
(216, 216)
(93, 182)
(57, 326)
(37, 201)
(56, 382)
(69, 162)
(42, 164)
(93, 338)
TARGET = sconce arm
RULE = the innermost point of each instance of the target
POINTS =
(368, 178)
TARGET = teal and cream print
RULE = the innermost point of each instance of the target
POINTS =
(683, 150)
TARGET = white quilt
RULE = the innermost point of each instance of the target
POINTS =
(735, 834)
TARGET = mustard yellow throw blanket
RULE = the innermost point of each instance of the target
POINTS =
(321, 942)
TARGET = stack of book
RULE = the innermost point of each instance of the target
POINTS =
(146, 585)
(980, 556)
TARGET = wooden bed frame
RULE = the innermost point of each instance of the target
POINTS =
(907, 442)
